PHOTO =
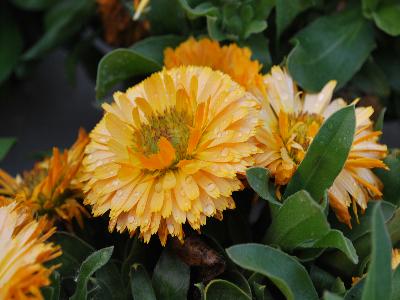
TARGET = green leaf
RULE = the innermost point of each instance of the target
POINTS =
(91, 264)
(141, 284)
(33, 4)
(308, 227)
(331, 47)
(52, 292)
(203, 9)
(356, 290)
(283, 270)
(258, 178)
(368, 6)
(166, 17)
(74, 251)
(110, 278)
(326, 155)
(378, 283)
(396, 284)
(10, 41)
(379, 121)
(387, 18)
(119, 65)
(153, 47)
(67, 18)
(219, 289)
(5, 146)
(331, 296)
(171, 277)
(391, 178)
(287, 10)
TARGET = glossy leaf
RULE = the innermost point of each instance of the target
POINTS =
(287, 10)
(91, 264)
(378, 283)
(141, 284)
(331, 47)
(308, 227)
(67, 18)
(171, 277)
(387, 18)
(11, 43)
(283, 270)
(258, 179)
(33, 4)
(5, 146)
(326, 155)
(391, 178)
(219, 289)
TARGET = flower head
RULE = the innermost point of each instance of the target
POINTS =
(231, 60)
(51, 188)
(169, 150)
(290, 122)
(23, 251)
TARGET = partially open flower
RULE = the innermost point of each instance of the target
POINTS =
(290, 122)
(23, 251)
(51, 187)
(169, 150)
(231, 59)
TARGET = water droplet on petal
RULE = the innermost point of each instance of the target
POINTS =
(170, 228)
(209, 209)
(225, 152)
(158, 187)
(211, 186)
(131, 219)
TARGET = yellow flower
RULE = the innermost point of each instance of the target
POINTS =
(22, 253)
(169, 150)
(231, 60)
(290, 122)
(51, 188)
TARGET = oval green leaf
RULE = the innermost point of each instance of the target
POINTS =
(378, 284)
(258, 178)
(283, 270)
(91, 264)
(326, 155)
(386, 17)
(141, 284)
(171, 277)
(331, 47)
(219, 289)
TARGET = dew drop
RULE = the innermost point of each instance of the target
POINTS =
(211, 186)
(209, 209)
(131, 219)
(170, 228)
(158, 187)
(225, 152)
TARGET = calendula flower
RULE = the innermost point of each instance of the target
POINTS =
(290, 122)
(23, 251)
(51, 187)
(118, 26)
(168, 151)
(231, 59)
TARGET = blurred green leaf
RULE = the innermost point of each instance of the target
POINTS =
(201, 10)
(119, 65)
(110, 278)
(219, 289)
(355, 292)
(171, 277)
(153, 47)
(259, 47)
(288, 10)
(5, 146)
(368, 6)
(141, 284)
(52, 292)
(396, 284)
(166, 17)
(283, 270)
(308, 227)
(378, 283)
(331, 296)
(10, 41)
(91, 264)
(33, 4)
(236, 278)
(331, 47)
(326, 155)
(387, 17)
(391, 178)
(258, 179)
(66, 19)
(379, 121)
(74, 252)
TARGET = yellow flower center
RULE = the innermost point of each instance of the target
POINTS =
(173, 125)
(297, 131)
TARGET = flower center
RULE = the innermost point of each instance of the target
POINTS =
(172, 125)
(297, 132)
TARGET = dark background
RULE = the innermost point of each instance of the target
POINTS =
(46, 109)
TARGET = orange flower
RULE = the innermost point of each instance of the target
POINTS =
(168, 152)
(231, 59)
(23, 251)
(50, 188)
(290, 122)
